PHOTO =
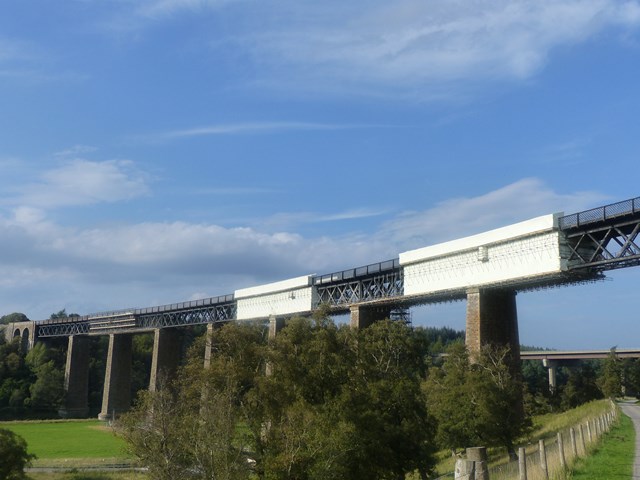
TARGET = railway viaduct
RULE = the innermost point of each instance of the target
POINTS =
(487, 269)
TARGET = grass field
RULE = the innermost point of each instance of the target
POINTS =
(55, 442)
(88, 476)
(613, 458)
(544, 426)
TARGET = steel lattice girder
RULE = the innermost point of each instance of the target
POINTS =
(62, 329)
(373, 288)
(196, 316)
(607, 247)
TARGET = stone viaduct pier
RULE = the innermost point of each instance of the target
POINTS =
(488, 270)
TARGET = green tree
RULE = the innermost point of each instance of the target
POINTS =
(498, 396)
(13, 318)
(62, 314)
(450, 400)
(610, 379)
(336, 403)
(188, 428)
(14, 456)
(581, 386)
(477, 403)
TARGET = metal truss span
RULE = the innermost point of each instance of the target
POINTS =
(208, 310)
(377, 281)
(604, 238)
(62, 328)
(222, 312)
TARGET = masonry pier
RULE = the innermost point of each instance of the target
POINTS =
(76, 378)
(116, 396)
(363, 316)
(167, 348)
(492, 319)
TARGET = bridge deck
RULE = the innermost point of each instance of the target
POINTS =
(599, 239)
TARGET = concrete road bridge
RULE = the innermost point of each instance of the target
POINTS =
(487, 269)
(553, 359)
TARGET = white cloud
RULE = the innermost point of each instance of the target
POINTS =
(430, 47)
(82, 182)
(418, 43)
(173, 261)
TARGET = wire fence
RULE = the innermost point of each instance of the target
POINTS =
(551, 457)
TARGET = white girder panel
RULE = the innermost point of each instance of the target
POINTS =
(523, 250)
(287, 297)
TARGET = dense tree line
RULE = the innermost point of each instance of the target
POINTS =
(336, 403)
(31, 383)
(322, 401)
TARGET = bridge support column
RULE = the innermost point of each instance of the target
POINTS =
(208, 346)
(275, 325)
(552, 367)
(364, 315)
(492, 319)
(167, 346)
(116, 396)
(76, 379)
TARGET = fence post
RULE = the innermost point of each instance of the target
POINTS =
(522, 463)
(597, 425)
(543, 459)
(464, 470)
(582, 442)
(589, 432)
(574, 446)
(478, 455)
(563, 462)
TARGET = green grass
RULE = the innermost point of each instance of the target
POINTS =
(612, 458)
(88, 476)
(56, 441)
(547, 425)
(544, 426)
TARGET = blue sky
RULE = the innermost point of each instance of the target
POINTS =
(155, 151)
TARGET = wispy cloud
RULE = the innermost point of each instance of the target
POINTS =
(407, 47)
(288, 220)
(165, 8)
(458, 217)
(250, 128)
(413, 43)
(76, 150)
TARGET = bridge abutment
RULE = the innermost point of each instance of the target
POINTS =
(116, 396)
(364, 315)
(76, 378)
(167, 347)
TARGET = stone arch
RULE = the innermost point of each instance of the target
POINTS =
(16, 334)
(24, 341)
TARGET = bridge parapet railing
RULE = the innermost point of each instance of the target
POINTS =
(600, 214)
(173, 307)
(354, 273)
